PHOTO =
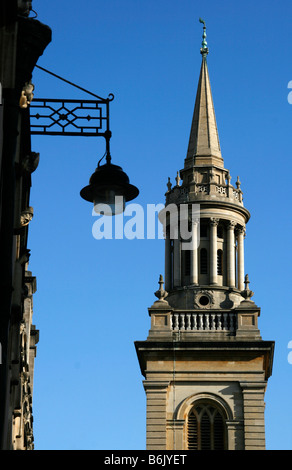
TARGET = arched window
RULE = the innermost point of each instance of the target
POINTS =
(203, 261)
(206, 428)
(220, 262)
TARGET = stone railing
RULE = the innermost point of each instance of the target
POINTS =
(204, 321)
(180, 194)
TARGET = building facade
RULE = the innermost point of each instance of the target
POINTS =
(204, 362)
(22, 40)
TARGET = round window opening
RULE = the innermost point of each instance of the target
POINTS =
(204, 300)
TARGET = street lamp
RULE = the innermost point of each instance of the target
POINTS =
(109, 187)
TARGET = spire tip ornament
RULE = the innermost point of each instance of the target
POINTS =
(204, 49)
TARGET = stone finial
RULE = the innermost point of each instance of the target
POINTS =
(247, 293)
(161, 294)
(168, 184)
(177, 179)
(238, 183)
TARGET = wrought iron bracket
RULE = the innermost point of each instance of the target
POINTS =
(87, 118)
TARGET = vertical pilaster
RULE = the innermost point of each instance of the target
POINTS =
(194, 255)
(254, 418)
(231, 254)
(240, 258)
(175, 434)
(156, 393)
(213, 250)
(235, 434)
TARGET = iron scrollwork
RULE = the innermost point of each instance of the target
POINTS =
(70, 117)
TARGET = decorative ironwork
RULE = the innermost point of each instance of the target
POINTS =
(89, 118)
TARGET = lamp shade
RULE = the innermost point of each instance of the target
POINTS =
(109, 189)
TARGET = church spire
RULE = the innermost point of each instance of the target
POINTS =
(204, 362)
(204, 146)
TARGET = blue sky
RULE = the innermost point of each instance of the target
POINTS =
(92, 298)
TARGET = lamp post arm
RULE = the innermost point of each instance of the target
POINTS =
(109, 98)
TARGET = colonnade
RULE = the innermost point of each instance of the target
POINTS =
(233, 249)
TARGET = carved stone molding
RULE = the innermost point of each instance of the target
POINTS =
(26, 95)
(231, 225)
(203, 299)
(240, 230)
(26, 216)
(214, 221)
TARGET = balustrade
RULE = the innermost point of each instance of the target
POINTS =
(204, 321)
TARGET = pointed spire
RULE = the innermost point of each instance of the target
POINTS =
(204, 146)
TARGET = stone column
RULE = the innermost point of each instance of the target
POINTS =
(194, 254)
(168, 273)
(176, 262)
(230, 254)
(213, 250)
(240, 258)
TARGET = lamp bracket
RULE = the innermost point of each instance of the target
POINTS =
(88, 118)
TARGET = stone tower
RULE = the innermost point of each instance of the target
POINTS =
(205, 364)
